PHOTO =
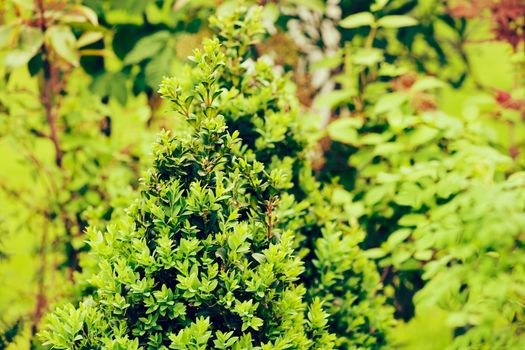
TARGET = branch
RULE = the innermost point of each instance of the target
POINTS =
(51, 88)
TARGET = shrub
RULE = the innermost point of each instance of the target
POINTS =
(444, 215)
(200, 263)
(233, 241)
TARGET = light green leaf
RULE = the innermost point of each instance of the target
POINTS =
(89, 38)
(378, 5)
(395, 21)
(328, 62)
(389, 101)
(85, 13)
(256, 323)
(25, 4)
(412, 220)
(368, 57)
(398, 237)
(343, 130)
(334, 98)
(428, 323)
(423, 255)
(64, 43)
(421, 135)
(375, 253)
(6, 32)
(29, 42)
(147, 47)
(316, 5)
(409, 195)
(457, 319)
(427, 83)
(376, 194)
(356, 20)
(159, 67)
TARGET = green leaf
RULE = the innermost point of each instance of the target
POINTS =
(344, 131)
(428, 323)
(334, 98)
(256, 323)
(89, 38)
(6, 32)
(375, 253)
(396, 21)
(368, 57)
(376, 194)
(35, 64)
(427, 83)
(398, 237)
(389, 102)
(131, 7)
(378, 5)
(316, 5)
(329, 62)
(118, 89)
(113, 85)
(64, 43)
(147, 47)
(422, 135)
(412, 220)
(29, 42)
(360, 19)
(260, 258)
(423, 255)
(79, 13)
(159, 67)
(24, 4)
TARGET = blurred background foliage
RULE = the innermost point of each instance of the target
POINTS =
(417, 109)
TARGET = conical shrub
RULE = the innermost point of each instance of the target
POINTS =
(233, 243)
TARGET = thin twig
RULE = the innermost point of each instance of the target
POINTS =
(51, 88)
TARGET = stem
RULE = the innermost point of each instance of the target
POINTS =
(269, 214)
(41, 298)
(371, 36)
(51, 88)
(363, 78)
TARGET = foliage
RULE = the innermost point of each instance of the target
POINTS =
(257, 106)
(71, 166)
(437, 203)
(9, 333)
(199, 258)
(331, 166)
(197, 261)
(48, 48)
(145, 40)
(260, 107)
(425, 185)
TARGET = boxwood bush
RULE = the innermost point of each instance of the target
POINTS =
(233, 243)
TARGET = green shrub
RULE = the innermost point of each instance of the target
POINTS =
(199, 263)
(443, 214)
(476, 274)
(232, 233)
